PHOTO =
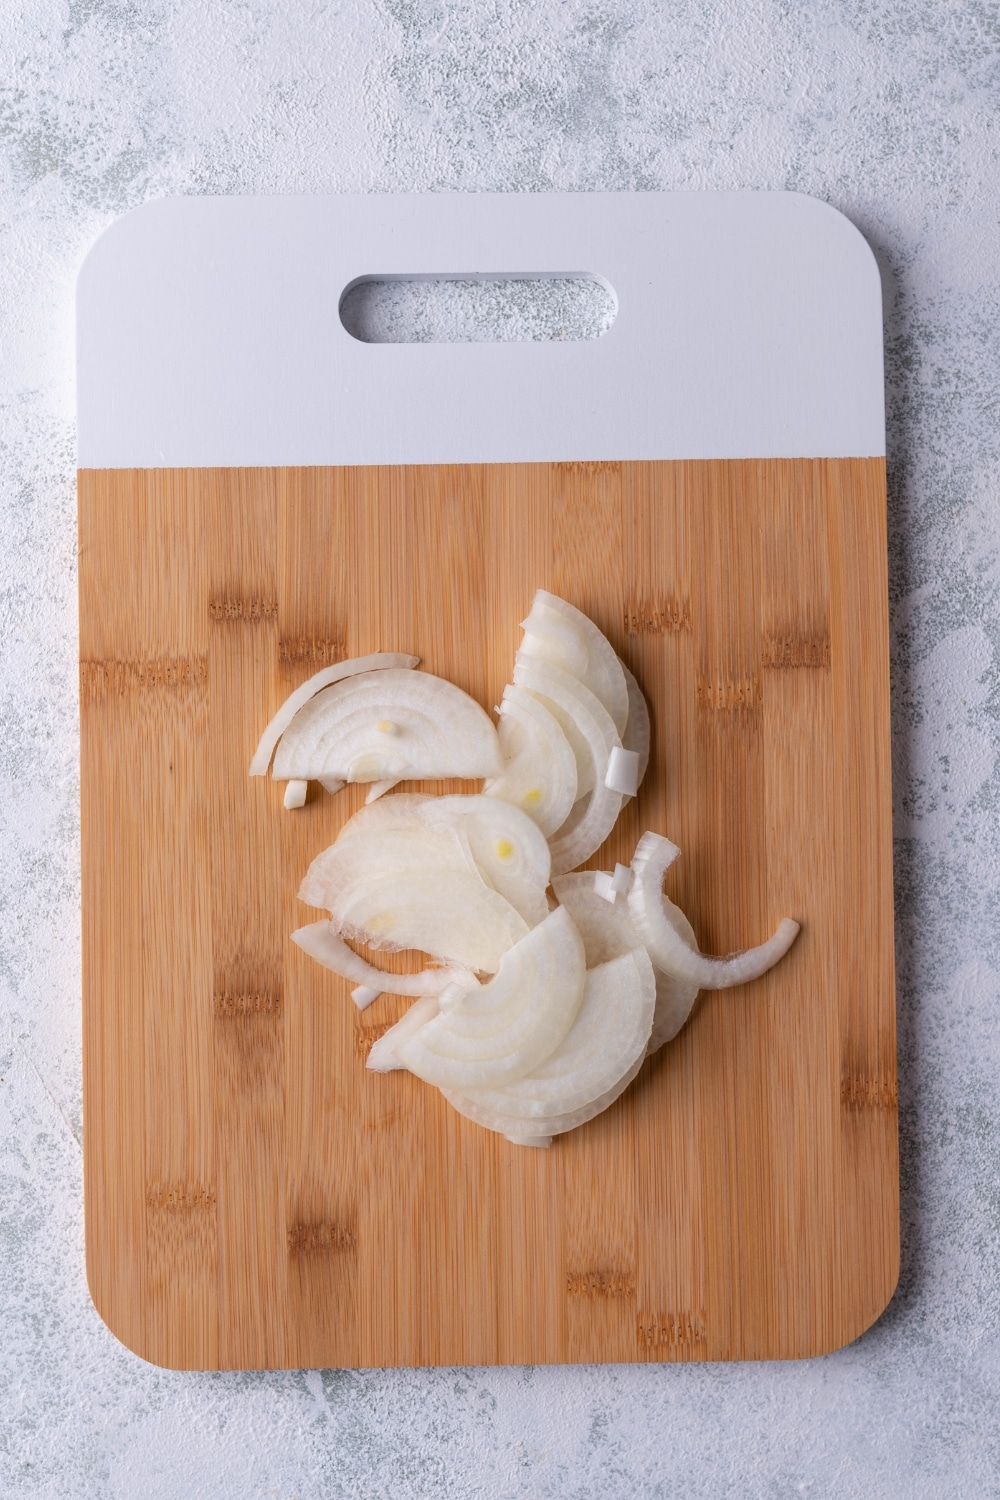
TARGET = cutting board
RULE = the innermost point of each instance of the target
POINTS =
(259, 495)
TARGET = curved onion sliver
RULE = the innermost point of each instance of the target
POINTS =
(557, 632)
(377, 661)
(539, 774)
(322, 942)
(501, 1031)
(655, 919)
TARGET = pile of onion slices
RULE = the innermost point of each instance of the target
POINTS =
(548, 986)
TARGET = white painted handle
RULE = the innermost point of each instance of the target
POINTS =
(749, 325)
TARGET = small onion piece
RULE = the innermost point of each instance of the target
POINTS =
(539, 774)
(557, 632)
(509, 1026)
(655, 919)
(608, 930)
(322, 942)
(390, 725)
(382, 1055)
(375, 662)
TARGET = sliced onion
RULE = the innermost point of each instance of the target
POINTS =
(322, 942)
(507, 848)
(357, 860)
(377, 661)
(451, 915)
(539, 774)
(610, 1032)
(539, 1132)
(382, 1056)
(636, 735)
(295, 794)
(592, 734)
(656, 921)
(608, 930)
(557, 632)
(477, 835)
(510, 1025)
(395, 725)
(622, 774)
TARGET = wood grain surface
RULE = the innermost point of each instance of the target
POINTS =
(254, 1197)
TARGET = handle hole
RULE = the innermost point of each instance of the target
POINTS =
(473, 309)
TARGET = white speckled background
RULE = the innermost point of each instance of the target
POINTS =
(889, 110)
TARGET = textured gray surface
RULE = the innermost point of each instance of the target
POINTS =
(886, 108)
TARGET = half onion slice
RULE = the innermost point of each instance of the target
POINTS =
(539, 774)
(500, 1032)
(377, 661)
(558, 632)
(390, 725)
(609, 1034)
(656, 921)
(607, 930)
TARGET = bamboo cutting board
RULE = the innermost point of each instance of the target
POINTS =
(255, 1198)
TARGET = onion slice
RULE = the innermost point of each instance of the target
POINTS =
(655, 919)
(558, 632)
(322, 942)
(522, 1132)
(593, 736)
(389, 725)
(608, 930)
(375, 662)
(501, 1031)
(539, 774)
(382, 1055)
(609, 1034)
(636, 735)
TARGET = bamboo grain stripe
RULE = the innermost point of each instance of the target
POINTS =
(325, 649)
(663, 616)
(304, 1239)
(261, 1004)
(125, 677)
(795, 651)
(181, 1198)
(728, 695)
(868, 1093)
(672, 1330)
(600, 1283)
(251, 610)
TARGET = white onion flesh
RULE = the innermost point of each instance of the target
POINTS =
(608, 930)
(540, 772)
(637, 733)
(539, 1132)
(322, 942)
(609, 1034)
(382, 1055)
(655, 919)
(393, 724)
(508, 849)
(295, 794)
(593, 736)
(622, 774)
(476, 835)
(557, 632)
(510, 1025)
(375, 662)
